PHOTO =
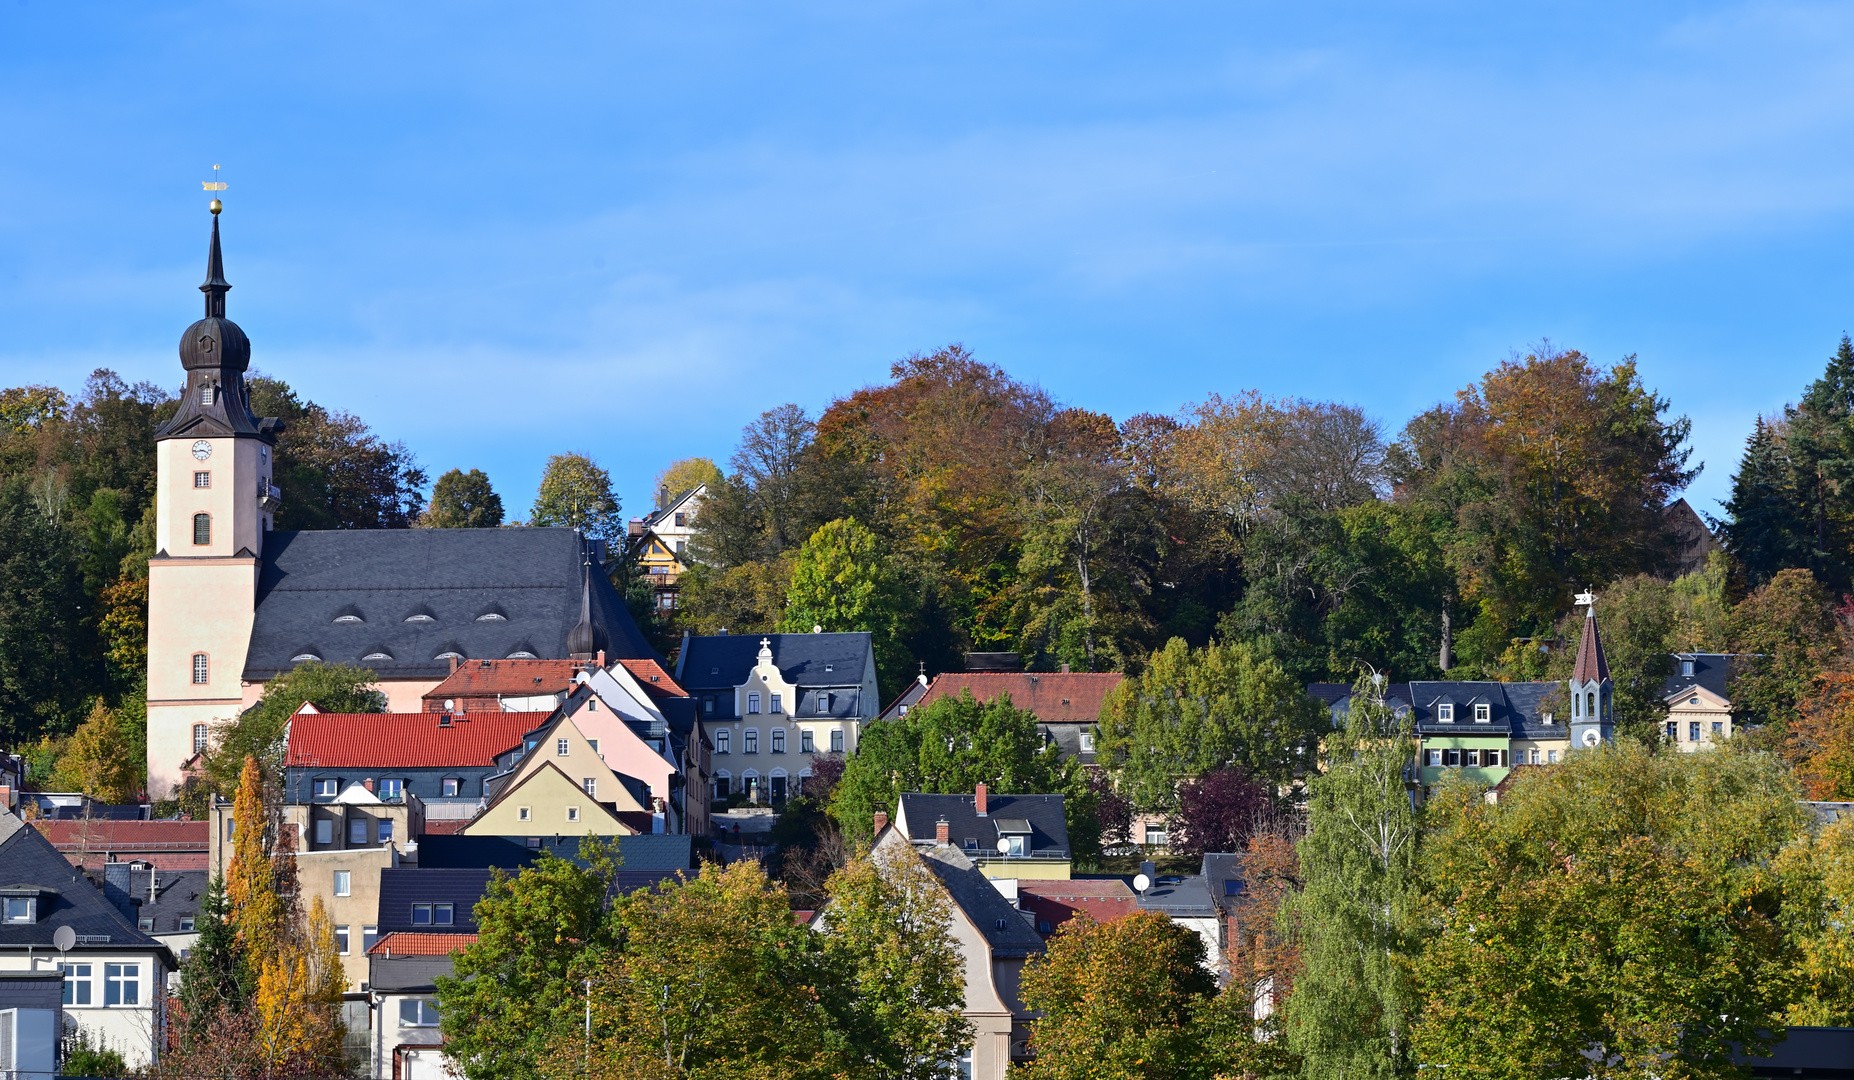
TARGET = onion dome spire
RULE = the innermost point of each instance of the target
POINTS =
(216, 285)
(586, 639)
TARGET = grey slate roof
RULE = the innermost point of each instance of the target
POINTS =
(1714, 671)
(531, 577)
(1224, 876)
(1180, 898)
(1005, 928)
(67, 897)
(177, 894)
(723, 661)
(1049, 829)
(1517, 707)
(406, 974)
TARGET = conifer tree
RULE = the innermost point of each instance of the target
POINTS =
(1354, 915)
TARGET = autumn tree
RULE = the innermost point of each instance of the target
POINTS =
(1817, 872)
(99, 760)
(1193, 711)
(1118, 999)
(685, 475)
(1541, 933)
(1216, 812)
(576, 493)
(1353, 916)
(334, 471)
(843, 581)
(1785, 632)
(463, 500)
(258, 732)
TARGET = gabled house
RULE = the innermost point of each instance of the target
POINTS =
(660, 541)
(498, 685)
(1699, 701)
(561, 744)
(442, 758)
(994, 940)
(544, 801)
(647, 730)
(771, 704)
(1005, 836)
(1067, 704)
(114, 974)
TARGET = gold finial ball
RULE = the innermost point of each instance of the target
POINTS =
(217, 206)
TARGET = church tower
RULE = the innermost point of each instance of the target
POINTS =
(1593, 718)
(214, 501)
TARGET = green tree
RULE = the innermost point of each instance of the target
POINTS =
(1542, 935)
(1767, 529)
(1787, 632)
(889, 935)
(1196, 710)
(99, 760)
(258, 731)
(106, 539)
(1120, 1000)
(47, 644)
(1354, 915)
(1817, 870)
(684, 475)
(576, 494)
(951, 745)
(844, 581)
(463, 500)
(335, 473)
(517, 988)
(215, 977)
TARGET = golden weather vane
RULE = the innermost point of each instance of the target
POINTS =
(215, 184)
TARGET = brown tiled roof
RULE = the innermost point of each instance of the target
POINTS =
(127, 836)
(1053, 696)
(654, 678)
(446, 826)
(1592, 665)
(406, 943)
(488, 678)
(1056, 902)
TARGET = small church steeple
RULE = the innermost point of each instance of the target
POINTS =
(216, 285)
(1592, 692)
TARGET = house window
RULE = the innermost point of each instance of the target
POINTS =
(1435, 759)
(1590, 708)
(524, 813)
(1087, 742)
(681, 546)
(836, 742)
(1546, 719)
(753, 704)
(1473, 759)
(591, 784)
(418, 1012)
(1552, 757)
(1483, 714)
(1445, 713)
(823, 701)
(122, 984)
(1718, 730)
(205, 393)
(1532, 756)
(186, 924)
(1451, 759)
(594, 743)
(750, 741)
(778, 738)
(431, 914)
(202, 529)
(77, 984)
(1686, 669)
(324, 831)
(327, 789)
(1693, 730)
(681, 520)
(721, 741)
(199, 737)
(386, 829)
(560, 748)
(721, 779)
(806, 744)
(1493, 758)
(19, 909)
(392, 789)
(343, 881)
(572, 813)
(369, 936)
(341, 939)
(1673, 731)
(708, 705)
(200, 669)
(202, 479)
(1155, 837)
(146, 922)
(452, 786)
(357, 831)
(777, 705)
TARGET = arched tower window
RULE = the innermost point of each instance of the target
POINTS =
(200, 668)
(202, 529)
(1590, 708)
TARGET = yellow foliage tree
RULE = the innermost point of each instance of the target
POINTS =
(99, 762)
(250, 885)
(1818, 876)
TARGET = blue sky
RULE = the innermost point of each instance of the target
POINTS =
(500, 231)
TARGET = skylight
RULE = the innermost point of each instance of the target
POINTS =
(521, 656)
(377, 656)
(349, 619)
(492, 616)
(300, 657)
(449, 655)
(420, 618)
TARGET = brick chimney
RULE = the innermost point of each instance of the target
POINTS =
(881, 820)
(942, 832)
(978, 798)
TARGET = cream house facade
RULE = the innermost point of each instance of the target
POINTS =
(1697, 719)
(545, 801)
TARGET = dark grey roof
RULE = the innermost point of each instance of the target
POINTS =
(1223, 876)
(31, 989)
(177, 894)
(1005, 928)
(1049, 829)
(1714, 671)
(406, 974)
(905, 700)
(401, 887)
(532, 577)
(1180, 898)
(459, 852)
(67, 898)
(723, 661)
(1067, 737)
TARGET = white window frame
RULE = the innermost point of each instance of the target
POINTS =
(392, 788)
(1445, 712)
(721, 741)
(753, 704)
(344, 883)
(342, 935)
(750, 740)
(424, 1013)
(778, 740)
(202, 669)
(807, 743)
(524, 813)
(1087, 742)
(591, 784)
(572, 813)
(122, 985)
(1483, 713)
(452, 786)
(201, 737)
(78, 984)
(836, 741)
(327, 789)
(776, 705)
(562, 747)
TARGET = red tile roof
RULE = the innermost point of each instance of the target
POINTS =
(654, 678)
(403, 740)
(1592, 663)
(488, 678)
(1056, 902)
(1052, 696)
(407, 943)
(446, 826)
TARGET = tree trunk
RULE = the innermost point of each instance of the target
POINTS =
(1447, 658)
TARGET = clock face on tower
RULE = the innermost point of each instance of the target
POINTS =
(202, 450)
(1591, 738)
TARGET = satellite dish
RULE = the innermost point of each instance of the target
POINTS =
(1141, 883)
(63, 938)
(1004, 846)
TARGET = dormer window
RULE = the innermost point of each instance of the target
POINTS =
(340, 619)
(305, 657)
(377, 656)
(205, 393)
(19, 909)
(521, 654)
(492, 616)
(1686, 669)
(451, 654)
(420, 618)
(1483, 713)
(1445, 713)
